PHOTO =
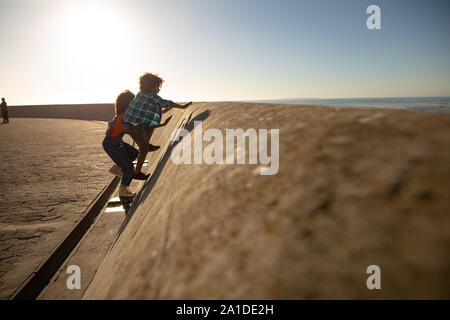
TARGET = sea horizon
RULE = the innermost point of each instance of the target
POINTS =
(435, 103)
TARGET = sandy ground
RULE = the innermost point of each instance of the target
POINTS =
(355, 187)
(50, 171)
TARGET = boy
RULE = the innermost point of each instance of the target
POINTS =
(144, 114)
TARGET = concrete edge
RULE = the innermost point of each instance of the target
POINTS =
(42, 275)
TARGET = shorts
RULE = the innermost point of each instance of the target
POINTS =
(140, 135)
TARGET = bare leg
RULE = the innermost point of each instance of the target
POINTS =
(142, 156)
(140, 162)
(150, 132)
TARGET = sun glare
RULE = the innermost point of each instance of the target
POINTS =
(91, 34)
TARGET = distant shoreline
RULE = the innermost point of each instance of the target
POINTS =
(432, 103)
(435, 104)
(105, 111)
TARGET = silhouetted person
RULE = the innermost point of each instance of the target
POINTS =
(5, 111)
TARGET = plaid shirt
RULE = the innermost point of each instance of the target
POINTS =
(146, 109)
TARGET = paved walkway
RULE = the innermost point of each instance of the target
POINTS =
(50, 171)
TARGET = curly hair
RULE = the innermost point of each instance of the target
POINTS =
(123, 101)
(149, 81)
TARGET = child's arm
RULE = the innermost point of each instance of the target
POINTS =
(179, 106)
(164, 123)
(175, 105)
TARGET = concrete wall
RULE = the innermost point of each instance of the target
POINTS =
(100, 112)
(355, 188)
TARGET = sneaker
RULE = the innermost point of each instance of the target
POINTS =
(126, 193)
(116, 170)
(141, 176)
(152, 147)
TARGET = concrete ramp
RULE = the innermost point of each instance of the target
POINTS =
(355, 188)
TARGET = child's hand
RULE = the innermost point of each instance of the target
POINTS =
(179, 106)
(167, 121)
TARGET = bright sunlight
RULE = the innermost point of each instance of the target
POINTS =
(92, 33)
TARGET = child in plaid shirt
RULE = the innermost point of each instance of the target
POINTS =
(144, 114)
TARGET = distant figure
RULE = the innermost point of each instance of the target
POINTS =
(119, 151)
(5, 111)
(144, 114)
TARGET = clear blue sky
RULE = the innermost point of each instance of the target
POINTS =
(57, 51)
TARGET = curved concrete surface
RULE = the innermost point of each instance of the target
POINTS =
(99, 111)
(355, 188)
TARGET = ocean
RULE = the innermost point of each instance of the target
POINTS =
(434, 104)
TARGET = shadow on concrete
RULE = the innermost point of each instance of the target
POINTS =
(150, 183)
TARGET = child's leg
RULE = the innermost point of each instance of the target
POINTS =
(140, 136)
(151, 147)
(127, 173)
(140, 162)
(142, 155)
(120, 158)
(150, 132)
(131, 151)
(123, 161)
(145, 134)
